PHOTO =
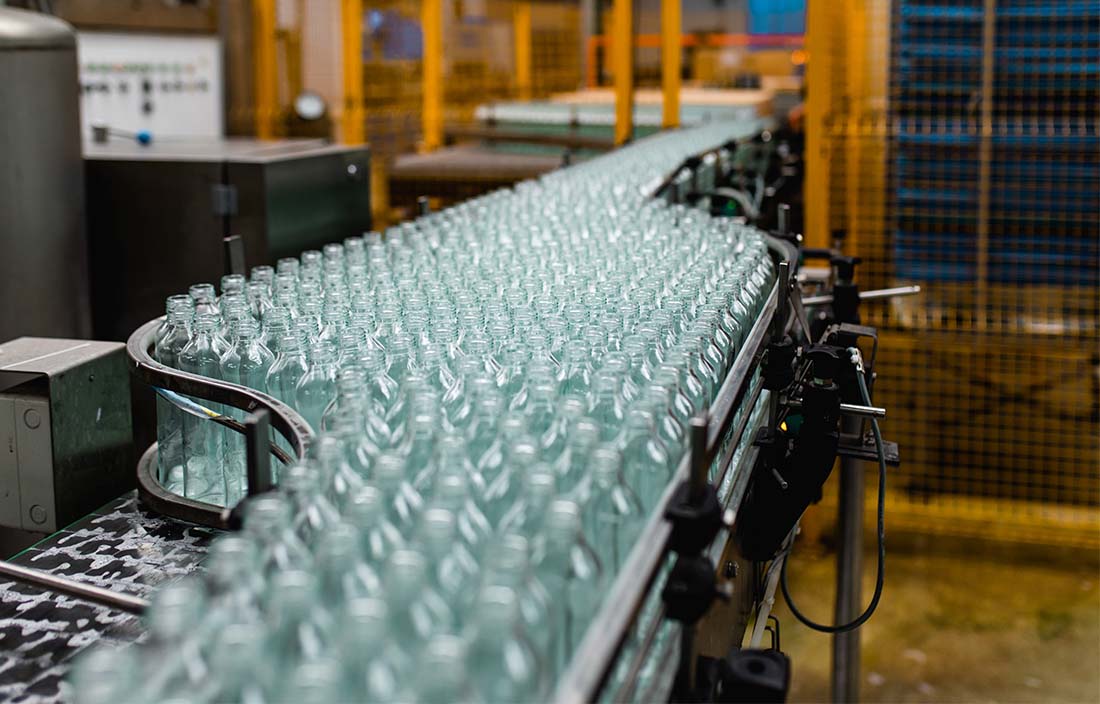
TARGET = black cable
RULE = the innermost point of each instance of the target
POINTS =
(881, 576)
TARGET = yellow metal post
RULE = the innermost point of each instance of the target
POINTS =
(265, 67)
(670, 63)
(521, 23)
(819, 66)
(431, 20)
(352, 118)
(622, 61)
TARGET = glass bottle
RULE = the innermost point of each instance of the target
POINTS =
(238, 672)
(418, 614)
(286, 370)
(268, 523)
(572, 466)
(502, 663)
(247, 364)
(170, 654)
(507, 486)
(612, 516)
(318, 386)
(648, 466)
(378, 537)
(445, 659)
(294, 617)
(567, 567)
(374, 667)
(403, 502)
(312, 513)
(605, 406)
(203, 479)
(170, 418)
(105, 674)
(452, 492)
(205, 299)
(232, 578)
(343, 574)
(454, 570)
(509, 565)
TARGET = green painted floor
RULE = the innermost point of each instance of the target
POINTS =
(956, 630)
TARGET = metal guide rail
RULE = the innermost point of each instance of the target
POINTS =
(714, 438)
(282, 417)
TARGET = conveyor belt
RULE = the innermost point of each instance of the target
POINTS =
(120, 546)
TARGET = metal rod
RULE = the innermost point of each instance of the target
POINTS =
(783, 219)
(896, 292)
(699, 464)
(849, 564)
(69, 587)
(782, 303)
(257, 438)
(851, 409)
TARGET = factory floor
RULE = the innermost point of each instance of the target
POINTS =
(962, 628)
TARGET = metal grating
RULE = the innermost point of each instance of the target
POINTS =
(956, 144)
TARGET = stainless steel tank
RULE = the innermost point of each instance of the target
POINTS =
(43, 251)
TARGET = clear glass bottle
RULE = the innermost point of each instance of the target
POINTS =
(378, 536)
(375, 669)
(453, 568)
(418, 614)
(286, 370)
(238, 672)
(507, 486)
(341, 571)
(170, 419)
(445, 659)
(294, 617)
(312, 513)
(105, 674)
(403, 501)
(452, 492)
(203, 477)
(572, 466)
(317, 388)
(246, 363)
(502, 663)
(269, 524)
(509, 565)
(569, 568)
(605, 406)
(612, 516)
(648, 465)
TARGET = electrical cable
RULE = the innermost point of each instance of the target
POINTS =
(880, 576)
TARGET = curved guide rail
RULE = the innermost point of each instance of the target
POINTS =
(149, 371)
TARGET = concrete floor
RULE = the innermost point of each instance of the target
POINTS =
(951, 629)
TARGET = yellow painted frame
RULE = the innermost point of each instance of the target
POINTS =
(431, 20)
(670, 63)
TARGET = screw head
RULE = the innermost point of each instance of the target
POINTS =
(38, 514)
(32, 418)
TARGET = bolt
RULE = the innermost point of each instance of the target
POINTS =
(32, 418)
(38, 514)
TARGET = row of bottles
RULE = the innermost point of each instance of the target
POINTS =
(499, 392)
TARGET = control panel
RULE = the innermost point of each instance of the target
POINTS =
(168, 85)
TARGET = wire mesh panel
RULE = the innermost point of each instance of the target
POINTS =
(957, 144)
